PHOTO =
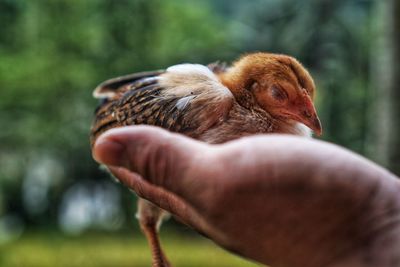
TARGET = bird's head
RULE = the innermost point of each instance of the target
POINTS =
(279, 84)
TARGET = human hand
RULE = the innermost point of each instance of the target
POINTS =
(279, 200)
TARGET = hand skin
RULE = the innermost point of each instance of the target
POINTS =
(279, 200)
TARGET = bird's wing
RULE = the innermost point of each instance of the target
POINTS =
(108, 88)
(185, 98)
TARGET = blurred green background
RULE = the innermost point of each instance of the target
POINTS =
(58, 208)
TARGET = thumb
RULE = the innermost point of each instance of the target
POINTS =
(162, 158)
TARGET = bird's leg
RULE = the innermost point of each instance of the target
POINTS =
(150, 218)
(158, 257)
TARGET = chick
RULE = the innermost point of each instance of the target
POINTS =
(259, 93)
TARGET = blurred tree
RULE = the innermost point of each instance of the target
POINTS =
(394, 152)
(385, 102)
(52, 55)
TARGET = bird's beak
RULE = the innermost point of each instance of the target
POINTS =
(308, 115)
(314, 124)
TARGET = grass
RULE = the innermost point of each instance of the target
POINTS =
(102, 250)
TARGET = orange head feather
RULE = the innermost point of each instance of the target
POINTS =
(279, 84)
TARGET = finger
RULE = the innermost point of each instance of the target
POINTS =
(162, 158)
(162, 198)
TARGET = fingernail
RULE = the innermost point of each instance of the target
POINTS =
(109, 152)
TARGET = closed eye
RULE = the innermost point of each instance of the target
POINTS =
(278, 94)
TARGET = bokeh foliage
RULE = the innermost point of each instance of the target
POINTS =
(54, 52)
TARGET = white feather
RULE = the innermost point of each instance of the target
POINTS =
(193, 79)
(303, 130)
(183, 102)
(193, 69)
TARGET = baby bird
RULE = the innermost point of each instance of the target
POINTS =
(259, 93)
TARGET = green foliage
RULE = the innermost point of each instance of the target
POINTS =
(52, 55)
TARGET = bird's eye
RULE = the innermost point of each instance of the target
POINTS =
(277, 93)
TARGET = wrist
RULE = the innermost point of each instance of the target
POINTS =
(379, 230)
